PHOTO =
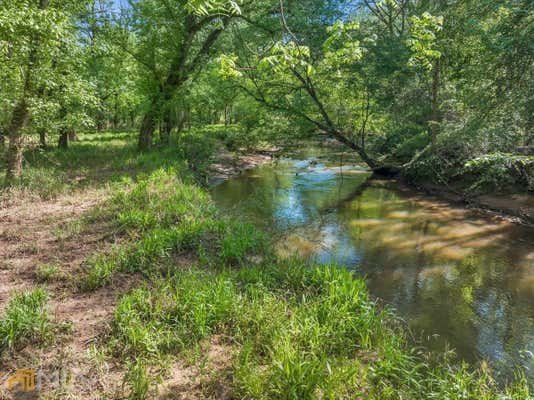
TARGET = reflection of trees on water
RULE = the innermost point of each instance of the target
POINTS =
(470, 302)
(447, 271)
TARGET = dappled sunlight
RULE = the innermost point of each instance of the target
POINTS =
(449, 271)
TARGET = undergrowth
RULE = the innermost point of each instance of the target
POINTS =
(105, 159)
(293, 331)
(162, 217)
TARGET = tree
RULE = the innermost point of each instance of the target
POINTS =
(27, 30)
(171, 40)
(38, 42)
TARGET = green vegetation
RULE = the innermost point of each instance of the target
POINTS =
(47, 272)
(107, 159)
(162, 216)
(432, 91)
(25, 320)
(420, 88)
(294, 331)
(290, 330)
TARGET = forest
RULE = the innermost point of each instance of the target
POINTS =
(267, 199)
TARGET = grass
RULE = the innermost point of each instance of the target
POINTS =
(25, 320)
(47, 273)
(163, 216)
(105, 159)
(301, 331)
(292, 330)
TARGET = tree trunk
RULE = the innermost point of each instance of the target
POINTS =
(42, 138)
(72, 135)
(2, 139)
(14, 152)
(182, 122)
(116, 112)
(226, 114)
(434, 118)
(100, 121)
(21, 113)
(166, 129)
(148, 126)
(63, 142)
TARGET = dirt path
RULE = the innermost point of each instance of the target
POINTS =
(48, 234)
(51, 234)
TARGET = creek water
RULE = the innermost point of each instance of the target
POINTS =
(460, 279)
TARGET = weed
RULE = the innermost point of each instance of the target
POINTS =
(303, 332)
(138, 380)
(25, 320)
(168, 217)
(47, 273)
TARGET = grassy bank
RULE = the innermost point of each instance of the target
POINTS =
(208, 292)
(293, 331)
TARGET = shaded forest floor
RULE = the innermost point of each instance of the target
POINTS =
(150, 293)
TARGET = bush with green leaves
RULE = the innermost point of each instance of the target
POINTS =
(501, 170)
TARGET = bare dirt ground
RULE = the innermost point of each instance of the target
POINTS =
(230, 164)
(36, 233)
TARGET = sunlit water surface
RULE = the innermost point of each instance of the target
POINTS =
(457, 277)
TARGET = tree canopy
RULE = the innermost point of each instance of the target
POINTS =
(404, 83)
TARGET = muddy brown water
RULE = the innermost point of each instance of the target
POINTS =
(460, 279)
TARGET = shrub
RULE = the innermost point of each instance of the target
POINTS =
(498, 170)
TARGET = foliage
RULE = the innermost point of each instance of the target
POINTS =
(168, 217)
(423, 39)
(298, 331)
(499, 170)
(195, 75)
(302, 332)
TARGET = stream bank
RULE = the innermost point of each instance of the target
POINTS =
(447, 269)
(514, 207)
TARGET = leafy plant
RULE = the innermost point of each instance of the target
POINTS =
(25, 320)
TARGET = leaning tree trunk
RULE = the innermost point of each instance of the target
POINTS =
(21, 112)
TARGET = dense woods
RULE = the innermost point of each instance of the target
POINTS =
(414, 87)
(119, 108)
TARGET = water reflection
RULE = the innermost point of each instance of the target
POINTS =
(457, 277)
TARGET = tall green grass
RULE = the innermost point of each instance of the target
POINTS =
(162, 216)
(301, 332)
(102, 159)
(25, 320)
(298, 331)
